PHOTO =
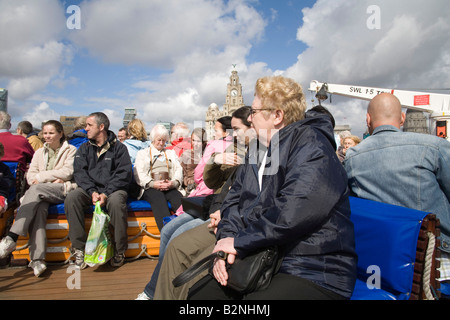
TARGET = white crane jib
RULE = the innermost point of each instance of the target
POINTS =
(438, 105)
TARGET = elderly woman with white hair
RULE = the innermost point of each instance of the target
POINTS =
(159, 174)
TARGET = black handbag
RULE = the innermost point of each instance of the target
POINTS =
(253, 273)
(198, 206)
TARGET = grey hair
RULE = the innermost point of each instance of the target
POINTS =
(5, 120)
(181, 129)
(345, 134)
(100, 118)
(159, 131)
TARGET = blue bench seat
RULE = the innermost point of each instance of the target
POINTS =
(132, 204)
(362, 292)
(386, 236)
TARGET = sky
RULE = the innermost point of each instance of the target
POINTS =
(170, 59)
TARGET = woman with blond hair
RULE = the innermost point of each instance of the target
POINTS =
(79, 134)
(292, 194)
(137, 138)
(349, 142)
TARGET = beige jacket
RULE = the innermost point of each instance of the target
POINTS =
(142, 169)
(63, 168)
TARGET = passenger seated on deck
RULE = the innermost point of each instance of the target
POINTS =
(79, 134)
(25, 129)
(296, 199)
(159, 175)
(6, 182)
(402, 168)
(122, 134)
(50, 179)
(197, 243)
(185, 222)
(191, 158)
(103, 172)
(350, 142)
(180, 140)
(220, 170)
(340, 149)
(17, 148)
(137, 139)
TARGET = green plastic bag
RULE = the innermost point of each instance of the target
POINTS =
(99, 248)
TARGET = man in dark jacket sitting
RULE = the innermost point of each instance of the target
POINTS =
(6, 182)
(292, 194)
(103, 172)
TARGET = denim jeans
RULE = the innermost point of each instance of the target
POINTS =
(169, 232)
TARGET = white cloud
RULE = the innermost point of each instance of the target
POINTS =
(51, 99)
(31, 53)
(195, 41)
(161, 33)
(409, 51)
(40, 114)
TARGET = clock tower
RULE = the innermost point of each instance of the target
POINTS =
(234, 99)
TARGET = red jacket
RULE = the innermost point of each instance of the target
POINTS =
(180, 145)
(17, 149)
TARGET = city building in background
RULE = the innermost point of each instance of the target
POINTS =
(233, 101)
(3, 100)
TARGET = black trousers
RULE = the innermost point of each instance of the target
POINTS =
(282, 287)
(76, 203)
(158, 200)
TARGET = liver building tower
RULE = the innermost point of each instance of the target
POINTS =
(233, 101)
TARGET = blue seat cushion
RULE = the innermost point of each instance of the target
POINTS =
(12, 166)
(132, 204)
(362, 292)
(445, 289)
(386, 237)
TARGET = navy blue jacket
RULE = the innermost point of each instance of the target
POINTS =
(110, 172)
(303, 206)
(7, 181)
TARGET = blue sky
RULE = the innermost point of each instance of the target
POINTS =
(171, 59)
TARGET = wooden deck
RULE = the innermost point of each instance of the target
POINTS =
(97, 283)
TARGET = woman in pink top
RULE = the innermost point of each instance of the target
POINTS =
(223, 138)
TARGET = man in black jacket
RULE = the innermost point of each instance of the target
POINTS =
(103, 172)
(292, 194)
(6, 182)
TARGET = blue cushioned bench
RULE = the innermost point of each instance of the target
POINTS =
(402, 244)
(132, 204)
(445, 290)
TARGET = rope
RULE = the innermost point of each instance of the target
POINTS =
(143, 252)
(428, 263)
(143, 230)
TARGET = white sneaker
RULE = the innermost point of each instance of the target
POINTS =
(7, 245)
(79, 258)
(142, 296)
(38, 267)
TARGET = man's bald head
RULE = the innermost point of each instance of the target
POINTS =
(384, 109)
